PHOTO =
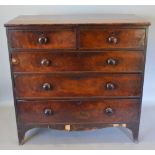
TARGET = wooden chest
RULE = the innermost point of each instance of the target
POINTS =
(77, 72)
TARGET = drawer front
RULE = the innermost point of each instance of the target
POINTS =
(47, 62)
(76, 85)
(100, 111)
(58, 39)
(112, 38)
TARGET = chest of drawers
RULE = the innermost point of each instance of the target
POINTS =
(78, 72)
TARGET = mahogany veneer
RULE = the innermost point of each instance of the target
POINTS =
(77, 72)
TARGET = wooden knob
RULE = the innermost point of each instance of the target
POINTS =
(109, 111)
(112, 40)
(110, 86)
(46, 86)
(45, 62)
(48, 112)
(111, 61)
(42, 40)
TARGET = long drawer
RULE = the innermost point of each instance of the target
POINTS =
(98, 111)
(77, 85)
(107, 61)
(105, 38)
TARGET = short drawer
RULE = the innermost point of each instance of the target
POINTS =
(56, 39)
(108, 61)
(98, 111)
(112, 38)
(77, 85)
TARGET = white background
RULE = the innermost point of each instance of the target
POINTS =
(9, 12)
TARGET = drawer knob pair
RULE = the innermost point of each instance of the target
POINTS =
(42, 40)
(48, 112)
(113, 40)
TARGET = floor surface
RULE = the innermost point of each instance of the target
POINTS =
(101, 139)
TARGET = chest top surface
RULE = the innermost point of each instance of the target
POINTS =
(109, 19)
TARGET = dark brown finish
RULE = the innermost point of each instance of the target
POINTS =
(90, 19)
(112, 38)
(75, 85)
(71, 112)
(106, 61)
(77, 72)
(58, 39)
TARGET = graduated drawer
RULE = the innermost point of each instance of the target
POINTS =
(112, 38)
(98, 111)
(54, 39)
(47, 62)
(77, 85)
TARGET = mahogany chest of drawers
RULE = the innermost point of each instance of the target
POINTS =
(77, 72)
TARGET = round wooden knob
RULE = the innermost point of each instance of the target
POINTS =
(42, 40)
(46, 86)
(109, 111)
(112, 40)
(45, 62)
(111, 61)
(48, 112)
(110, 86)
